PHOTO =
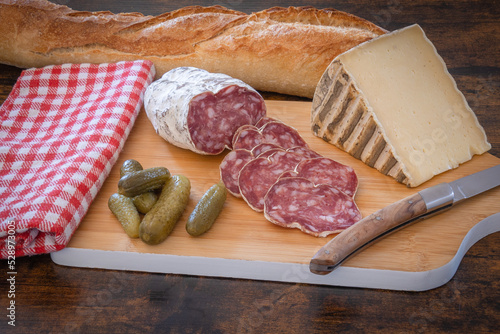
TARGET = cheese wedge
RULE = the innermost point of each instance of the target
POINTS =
(392, 103)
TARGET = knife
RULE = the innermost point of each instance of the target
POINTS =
(414, 208)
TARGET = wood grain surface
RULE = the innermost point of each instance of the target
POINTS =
(243, 234)
(366, 230)
(56, 299)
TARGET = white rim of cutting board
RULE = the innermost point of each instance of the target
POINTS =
(276, 271)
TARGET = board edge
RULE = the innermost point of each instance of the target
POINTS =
(276, 271)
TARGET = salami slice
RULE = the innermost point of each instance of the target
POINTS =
(306, 152)
(247, 137)
(230, 168)
(272, 132)
(258, 175)
(270, 152)
(327, 171)
(287, 158)
(200, 111)
(264, 120)
(288, 173)
(241, 128)
(258, 150)
(319, 210)
(282, 135)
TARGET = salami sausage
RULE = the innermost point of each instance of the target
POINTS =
(319, 210)
(200, 111)
(327, 171)
(230, 168)
(258, 175)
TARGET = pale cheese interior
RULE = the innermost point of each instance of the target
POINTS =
(425, 118)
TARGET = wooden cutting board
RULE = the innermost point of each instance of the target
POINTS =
(243, 244)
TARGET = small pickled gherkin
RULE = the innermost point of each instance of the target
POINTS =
(126, 213)
(138, 182)
(159, 222)
(207, 210)
(130, 166)
(145, 201)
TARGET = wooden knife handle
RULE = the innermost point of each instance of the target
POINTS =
(366, 230)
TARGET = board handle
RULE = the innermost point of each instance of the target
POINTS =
(366, 231)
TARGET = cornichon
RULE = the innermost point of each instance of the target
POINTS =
(145, 201)
(128, 216)
(136, 183)
(130, 166)
(159, 222)
(207, 210)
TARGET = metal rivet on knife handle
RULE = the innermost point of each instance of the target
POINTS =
(363, 232)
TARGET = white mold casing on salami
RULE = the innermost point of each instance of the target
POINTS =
(200, 111)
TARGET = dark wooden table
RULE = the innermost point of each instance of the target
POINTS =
(55, 299)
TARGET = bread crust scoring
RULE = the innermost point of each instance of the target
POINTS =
(284, 50)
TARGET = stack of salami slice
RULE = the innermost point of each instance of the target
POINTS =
(270, 165)
(274, 170)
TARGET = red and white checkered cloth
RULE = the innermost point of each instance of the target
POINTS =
(61, 130)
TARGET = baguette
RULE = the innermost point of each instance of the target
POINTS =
(283, 50)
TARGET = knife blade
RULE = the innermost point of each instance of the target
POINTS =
(421, 205)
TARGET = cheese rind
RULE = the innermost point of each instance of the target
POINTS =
(392, 103)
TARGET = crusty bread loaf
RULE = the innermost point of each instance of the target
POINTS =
(284, 50)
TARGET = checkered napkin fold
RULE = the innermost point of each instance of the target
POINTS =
(61, 130)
